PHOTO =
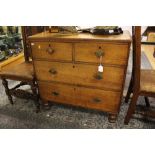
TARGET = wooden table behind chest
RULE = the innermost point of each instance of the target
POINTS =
(66, 68)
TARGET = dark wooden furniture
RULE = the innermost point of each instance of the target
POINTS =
(28, 31)
(142, 82)
(148, 30)
(66, 68)
(22, 72)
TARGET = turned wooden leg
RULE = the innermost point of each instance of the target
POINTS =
(5, 84)
(129, 91)
(46, 104)
(112, 118)
(36, 97)
(131, 108)
(147, 102)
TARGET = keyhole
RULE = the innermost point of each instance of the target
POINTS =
(73, 66)
(99, 47)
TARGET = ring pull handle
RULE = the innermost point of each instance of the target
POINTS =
(99, 75)
(53, 71)
(97, 100)
(55, 93)
(99, 53)
(49, 49)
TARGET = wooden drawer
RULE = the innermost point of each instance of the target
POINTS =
(52, 51)
(98, 99)
(79, 74)
(113, 53)
(57, 92)
(80, 96)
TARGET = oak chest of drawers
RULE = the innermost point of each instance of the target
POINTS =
(66, 69)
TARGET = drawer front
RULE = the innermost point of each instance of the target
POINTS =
(99, 99)
(116, 54)
(52, 51)
(80, 74)
(58, 93)
(81, 96)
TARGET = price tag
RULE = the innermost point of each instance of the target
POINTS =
(111, 31)
(100, 68)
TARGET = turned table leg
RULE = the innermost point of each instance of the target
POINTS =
(46, 104)
(36, 97)
(129, 92)
(5, 84)
(112, 118)
(147, 102)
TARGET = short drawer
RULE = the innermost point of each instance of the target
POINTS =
(80, 96)
(52, 51)
(116, 54)
(80, 74)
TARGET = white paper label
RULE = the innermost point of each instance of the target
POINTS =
(100, 68)
(111, 31)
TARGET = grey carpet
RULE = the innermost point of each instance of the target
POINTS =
(22, 116)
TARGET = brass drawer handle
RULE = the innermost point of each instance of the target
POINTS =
(55, 93)
(99, 75)
(53, 71)
(99, 53)
(49, 49)
(97, 100)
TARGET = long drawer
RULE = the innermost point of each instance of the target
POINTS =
(80, 74)
(116, 54)
(80, 96)
(52, 51)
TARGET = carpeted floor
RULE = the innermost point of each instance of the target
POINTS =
(22, 116)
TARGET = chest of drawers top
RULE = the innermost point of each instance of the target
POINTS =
(46, 36)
